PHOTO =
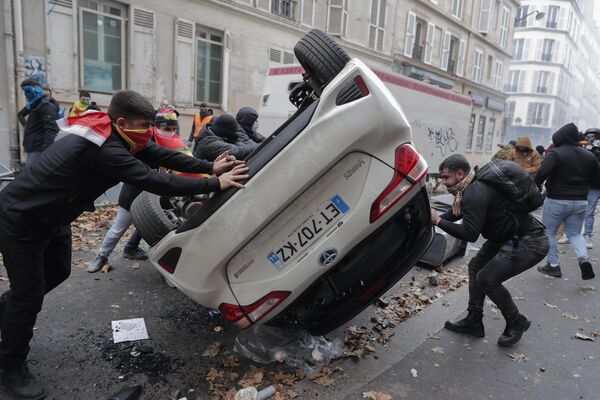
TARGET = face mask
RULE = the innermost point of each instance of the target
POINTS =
(255, 126)
(136, 138)
(32, 93)
(165, 133)
(85, 102)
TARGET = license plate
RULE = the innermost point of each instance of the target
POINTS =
(315, 226)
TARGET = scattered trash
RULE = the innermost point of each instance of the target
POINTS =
(433, 279)
(298, 349)
(135, 266)
(549, 305)
(105, 269)
(381, 303)
(130, 393)
(139, 350)
(213, 350)
(583, 336)
(358, 342)
(251, 393)
(438, 350)
(413, 372)
(517, 357)
(570, 316)
(129, 329)
(376, 396)
(218, 329)
(542, 369)
(432, 336)
(587, 287)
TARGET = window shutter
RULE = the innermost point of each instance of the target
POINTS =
(446, 50)
(409, 40)
(556, 54)
(526, 49)
(62, 57)
(551, 78)
(521, 84)
(561, 18)
(142, 52)
(540, 48)
(183, 87)
(225, 75)
(462, 48)
(334, 24)
(535, 81)
(429, 42)
(546, 116)
(484, 15)
(308, 9)
(530, 109)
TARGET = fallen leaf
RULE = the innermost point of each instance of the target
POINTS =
(583, 336)
(517, 357)
(570, 316)
(135, 266)
(376, 396)
(105, 269)
(213, 350)
(253, 377)
(438, 350)
(413, 372)
(324, 380)
(550, 305)
(230, 362)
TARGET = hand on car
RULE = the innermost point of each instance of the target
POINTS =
(225, 162)
(435, 218)
(229, 179)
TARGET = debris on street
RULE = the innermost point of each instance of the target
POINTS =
(128, 330)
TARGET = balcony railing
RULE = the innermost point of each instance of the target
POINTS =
(510, 88)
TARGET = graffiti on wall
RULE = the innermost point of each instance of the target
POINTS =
(35, 68)
(443, 139)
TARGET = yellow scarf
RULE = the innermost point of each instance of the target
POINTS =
(458, 189)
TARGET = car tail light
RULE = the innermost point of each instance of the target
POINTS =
(170, 259)
(410, 167)
(244, 316)
(352, 91)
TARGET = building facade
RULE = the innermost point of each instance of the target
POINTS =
(553, 78)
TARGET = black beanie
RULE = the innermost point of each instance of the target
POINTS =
(225, 126)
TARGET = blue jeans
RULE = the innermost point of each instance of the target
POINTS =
(592, 199)
(572, 213)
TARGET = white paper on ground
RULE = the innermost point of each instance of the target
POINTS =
(129, 329)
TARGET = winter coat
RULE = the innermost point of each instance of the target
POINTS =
(41, 128)
(246, 117)
(73, 172)
(213, 142)
(504, 151)
(568, 169)
(530, 162)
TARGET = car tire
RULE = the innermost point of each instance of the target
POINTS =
(321, 57)
(150, 218)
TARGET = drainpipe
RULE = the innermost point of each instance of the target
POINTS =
(11, 40)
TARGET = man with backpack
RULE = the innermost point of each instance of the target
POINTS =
(568, 171)
(495, 202)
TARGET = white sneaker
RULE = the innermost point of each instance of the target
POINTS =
(564, 239)
(588, 242)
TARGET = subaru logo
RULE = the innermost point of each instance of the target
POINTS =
(327, 257)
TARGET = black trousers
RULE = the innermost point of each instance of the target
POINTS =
(495, 263)
(35, 266)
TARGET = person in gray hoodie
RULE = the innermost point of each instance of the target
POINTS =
(219, 136)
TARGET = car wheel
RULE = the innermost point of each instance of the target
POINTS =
(321, 57)
(152, 218)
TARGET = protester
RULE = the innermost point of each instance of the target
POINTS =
(593, 196)
(515, 243)
(81, 105)
(220, 136)
(247, 119)
(36, 210)
(505, 150)
(524, 155)
(540, 149)
(24, 112)
(568, 171)
(40, 128)
(201, 119)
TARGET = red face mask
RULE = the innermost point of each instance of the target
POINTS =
(137, 139)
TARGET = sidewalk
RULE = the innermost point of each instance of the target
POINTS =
(548, 363)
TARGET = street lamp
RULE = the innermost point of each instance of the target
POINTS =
(538, 15)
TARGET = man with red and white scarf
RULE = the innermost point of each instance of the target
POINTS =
(37, 208)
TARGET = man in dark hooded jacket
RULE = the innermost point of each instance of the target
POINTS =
(247, 119)
(568, 171)
(219, 136)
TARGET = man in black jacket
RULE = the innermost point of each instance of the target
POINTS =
(219, 136)
(483, 211)
(41, 128)
(568, 171)
(247, 119)
(36, 210)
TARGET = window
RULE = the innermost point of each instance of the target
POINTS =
(480, 133)
(504, 27)
(377, 25)
(457, 8)
(411, 31)
(308, 12)
(284, 8)
(515, 81)
(477, 66)
(497, 82)
(519, 46)
(209, 65)
(509, 116)
(470, 132)
(489, 142)
(552, 17)
(490, 64)
(537, 114)
(429, 43)
(542, 82)
(338, 17)
(460, 67)
(485, 10)
(521, 20)
(102, 45)
(547, 50)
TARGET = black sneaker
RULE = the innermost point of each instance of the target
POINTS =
(472, 325)
(20, 383)
(134, 254)
(97, 264)
(514, 330)
(586, 269)
(551, 271)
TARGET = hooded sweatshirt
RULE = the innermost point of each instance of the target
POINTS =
(531, 161)
(219, 136)
(569, 169)
(246, 117)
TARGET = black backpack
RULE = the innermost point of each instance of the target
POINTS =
(513, 182)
